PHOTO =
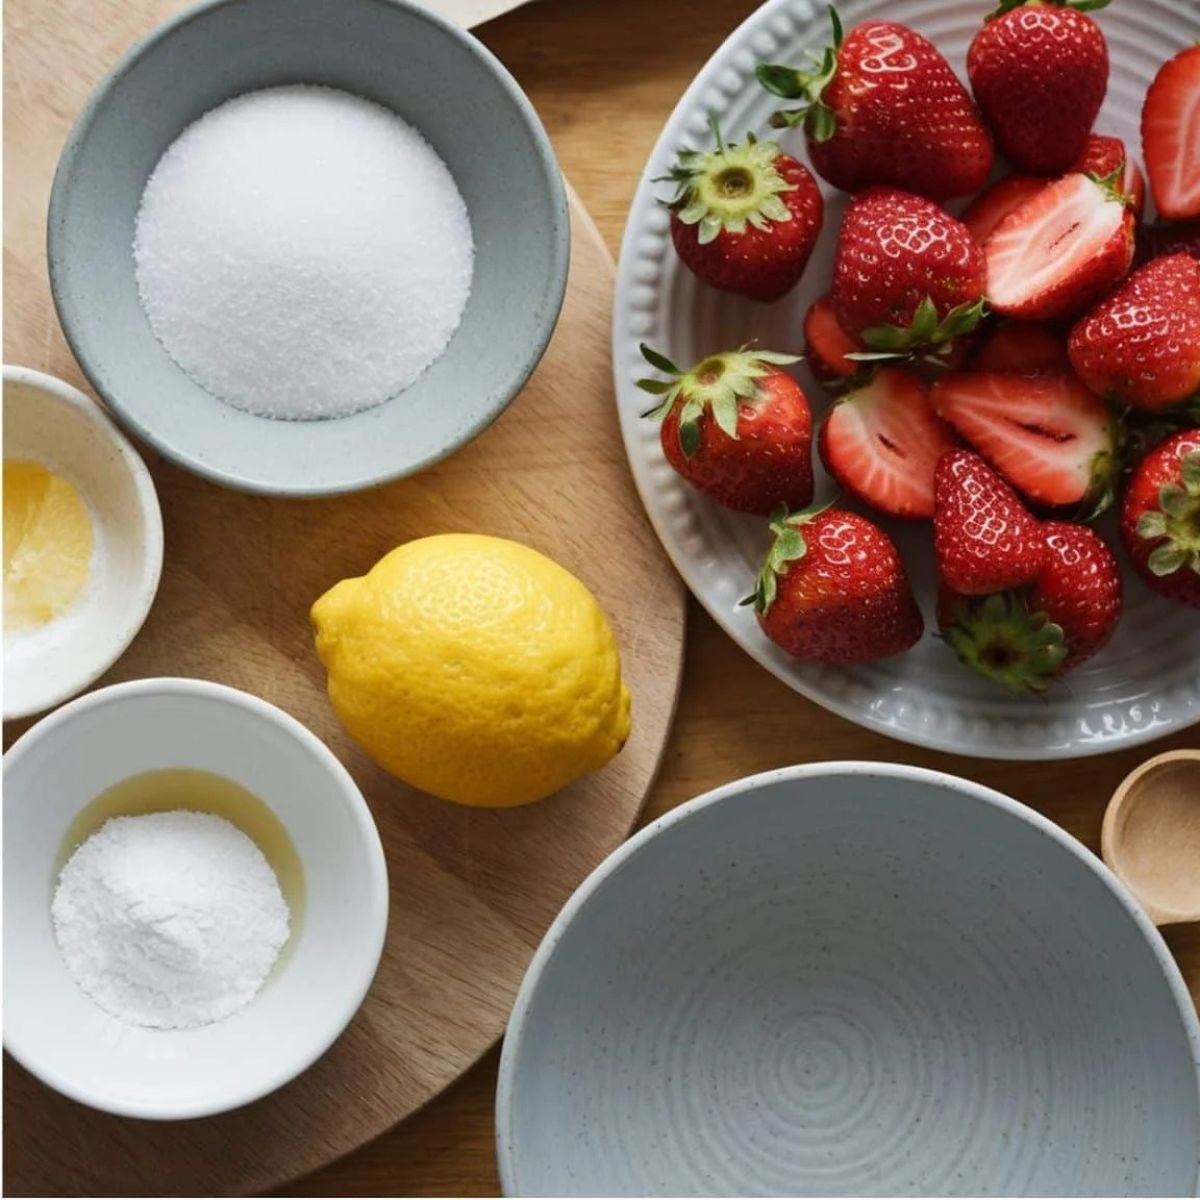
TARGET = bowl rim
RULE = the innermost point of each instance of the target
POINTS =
(150, 513)
(374, 921)
(506, 1157)
(560, 254)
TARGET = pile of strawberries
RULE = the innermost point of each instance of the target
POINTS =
(1002, 374)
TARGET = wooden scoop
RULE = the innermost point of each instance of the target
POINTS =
(1151, 836)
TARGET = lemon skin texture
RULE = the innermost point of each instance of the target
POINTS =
(475, 669)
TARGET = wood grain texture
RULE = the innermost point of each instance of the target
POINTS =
(604, 74)
(472, 891)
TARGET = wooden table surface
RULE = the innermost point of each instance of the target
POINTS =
(604, 75)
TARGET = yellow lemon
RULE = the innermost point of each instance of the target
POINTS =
(47, 544)
(475, 669)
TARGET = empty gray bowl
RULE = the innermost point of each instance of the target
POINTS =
(439, 79)
(851, 979)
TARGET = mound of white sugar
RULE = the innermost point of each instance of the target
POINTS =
(302, 252)
(170, 919)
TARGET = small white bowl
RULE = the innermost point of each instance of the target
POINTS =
(54, 424)
(52, 1027)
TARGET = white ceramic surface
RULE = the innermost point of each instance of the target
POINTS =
(52, 1028)
(56, 425)
(1145, 684)
(851, 979)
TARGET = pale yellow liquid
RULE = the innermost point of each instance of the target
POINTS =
(48, 544)
(199, 791)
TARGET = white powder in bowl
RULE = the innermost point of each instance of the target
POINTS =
(301, 252)
(169, 919)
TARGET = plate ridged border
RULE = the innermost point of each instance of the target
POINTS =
(1148, 681)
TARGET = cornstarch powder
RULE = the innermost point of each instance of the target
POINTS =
(170, 919)
(302, 253)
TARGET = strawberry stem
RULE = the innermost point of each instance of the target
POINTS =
(895, 342)
(1000, 638)
(1175, 523)
(730, 188)
(790, 83)
(788, 547)
(717, 384)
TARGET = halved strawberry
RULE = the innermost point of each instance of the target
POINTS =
(1103, 156)
(882, 443)
(1171, 136)
(1059, 251)
(1021, 346)
(826, 345)
(993, 204)
(1045, 433)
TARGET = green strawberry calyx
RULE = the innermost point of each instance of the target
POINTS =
(788, 547)
(718, 383)
(1002, 638)
(1102, 482)
(927, 332)
(1082, 6)
(1113, 186)
(728, 189)
(791, 83)
(1175, 523)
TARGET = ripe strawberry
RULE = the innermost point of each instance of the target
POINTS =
(1039, 71)
(993, 204)
(1026, 637)
(1105, 156)
(1162, 238)
(984, 538)
(744, 218)
(826, 345)
(1045, 433)
(1141, 345)
(1060, 251)
(882, 443)
(737, 428)
(1171, 136)
(884, 107)
(833, 589)
(1022, 347)
(906, 275)
(1160, 518)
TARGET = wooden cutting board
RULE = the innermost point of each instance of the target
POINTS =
(472, 892)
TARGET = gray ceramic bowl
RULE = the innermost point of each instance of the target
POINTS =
(851, 978)
(439, 79)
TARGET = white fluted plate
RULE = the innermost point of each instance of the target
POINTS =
(1144, 684)
(851, 979)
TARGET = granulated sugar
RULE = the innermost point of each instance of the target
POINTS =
(169, 919)
(302, 252)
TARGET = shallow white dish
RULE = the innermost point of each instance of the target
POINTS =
(52, 423)
(54, 1030)
(1145, 684)
(851, 979)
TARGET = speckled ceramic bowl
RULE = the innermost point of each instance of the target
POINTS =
(851, 979)
(439, 79)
